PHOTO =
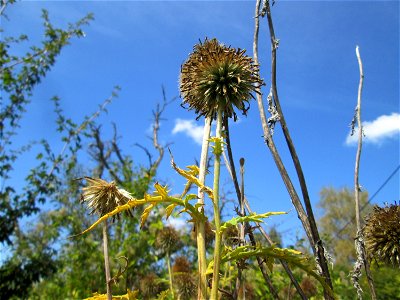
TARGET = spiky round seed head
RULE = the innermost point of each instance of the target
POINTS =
(382, 234)
(231, 236)
(186, 286)
(309, 287)
(149, 286)
(103, 197)
(168, 240)
(181, 265)
(215, 76)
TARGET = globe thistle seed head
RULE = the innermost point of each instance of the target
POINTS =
(168, 240)
(150, 286)
(382, 234)
(309, 287)
(181, 265)
(186, 286)
(231, 236)
(103, 197)
(215, 76)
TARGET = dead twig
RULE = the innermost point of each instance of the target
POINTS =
(359, 240)
(307, 219)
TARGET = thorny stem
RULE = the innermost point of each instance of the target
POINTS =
(359, 241)
(200, 230)
(107, 260)
(217, 221)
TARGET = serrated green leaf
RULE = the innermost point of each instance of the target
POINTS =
(249, 218)
(190, 197)
(291, 256)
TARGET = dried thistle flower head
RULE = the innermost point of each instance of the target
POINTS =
(184, 281)
(186, 287)
(382, 234)
(168, 240)
(215, 76)
(150, 286)
(231, 236)
(309, 287)
(103, 197)
(181, 265)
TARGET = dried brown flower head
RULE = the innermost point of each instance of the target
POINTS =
(382, 234)
(215, 76)
(181, 265)
(150, 285)
(309, 287)
(231, 236)
(168, 240)
(103, 197)
(186, 287)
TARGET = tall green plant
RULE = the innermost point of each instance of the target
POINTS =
(214, 80)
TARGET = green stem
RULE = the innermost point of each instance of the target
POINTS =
(200, 230)
(217, 221)
(171, 288)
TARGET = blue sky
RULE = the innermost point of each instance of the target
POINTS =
(141, 46)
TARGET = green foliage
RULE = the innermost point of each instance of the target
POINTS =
(19, 75)
(17, 275)
(257, 218)
(337, 223)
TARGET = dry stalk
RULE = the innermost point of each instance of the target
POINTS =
(307, 219)
(359, 240)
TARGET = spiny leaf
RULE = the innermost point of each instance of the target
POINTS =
(119, 209)
(152, 200)
(146, 213)
(163, 295)
(169, 209)
(130, 295)
(249, 218)
(188, 198)
(194, 170)
(291, 256)
(193, 179)
(161, 190)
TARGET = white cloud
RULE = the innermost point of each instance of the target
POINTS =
(178, 223)
(190, 128)
(382, 128)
